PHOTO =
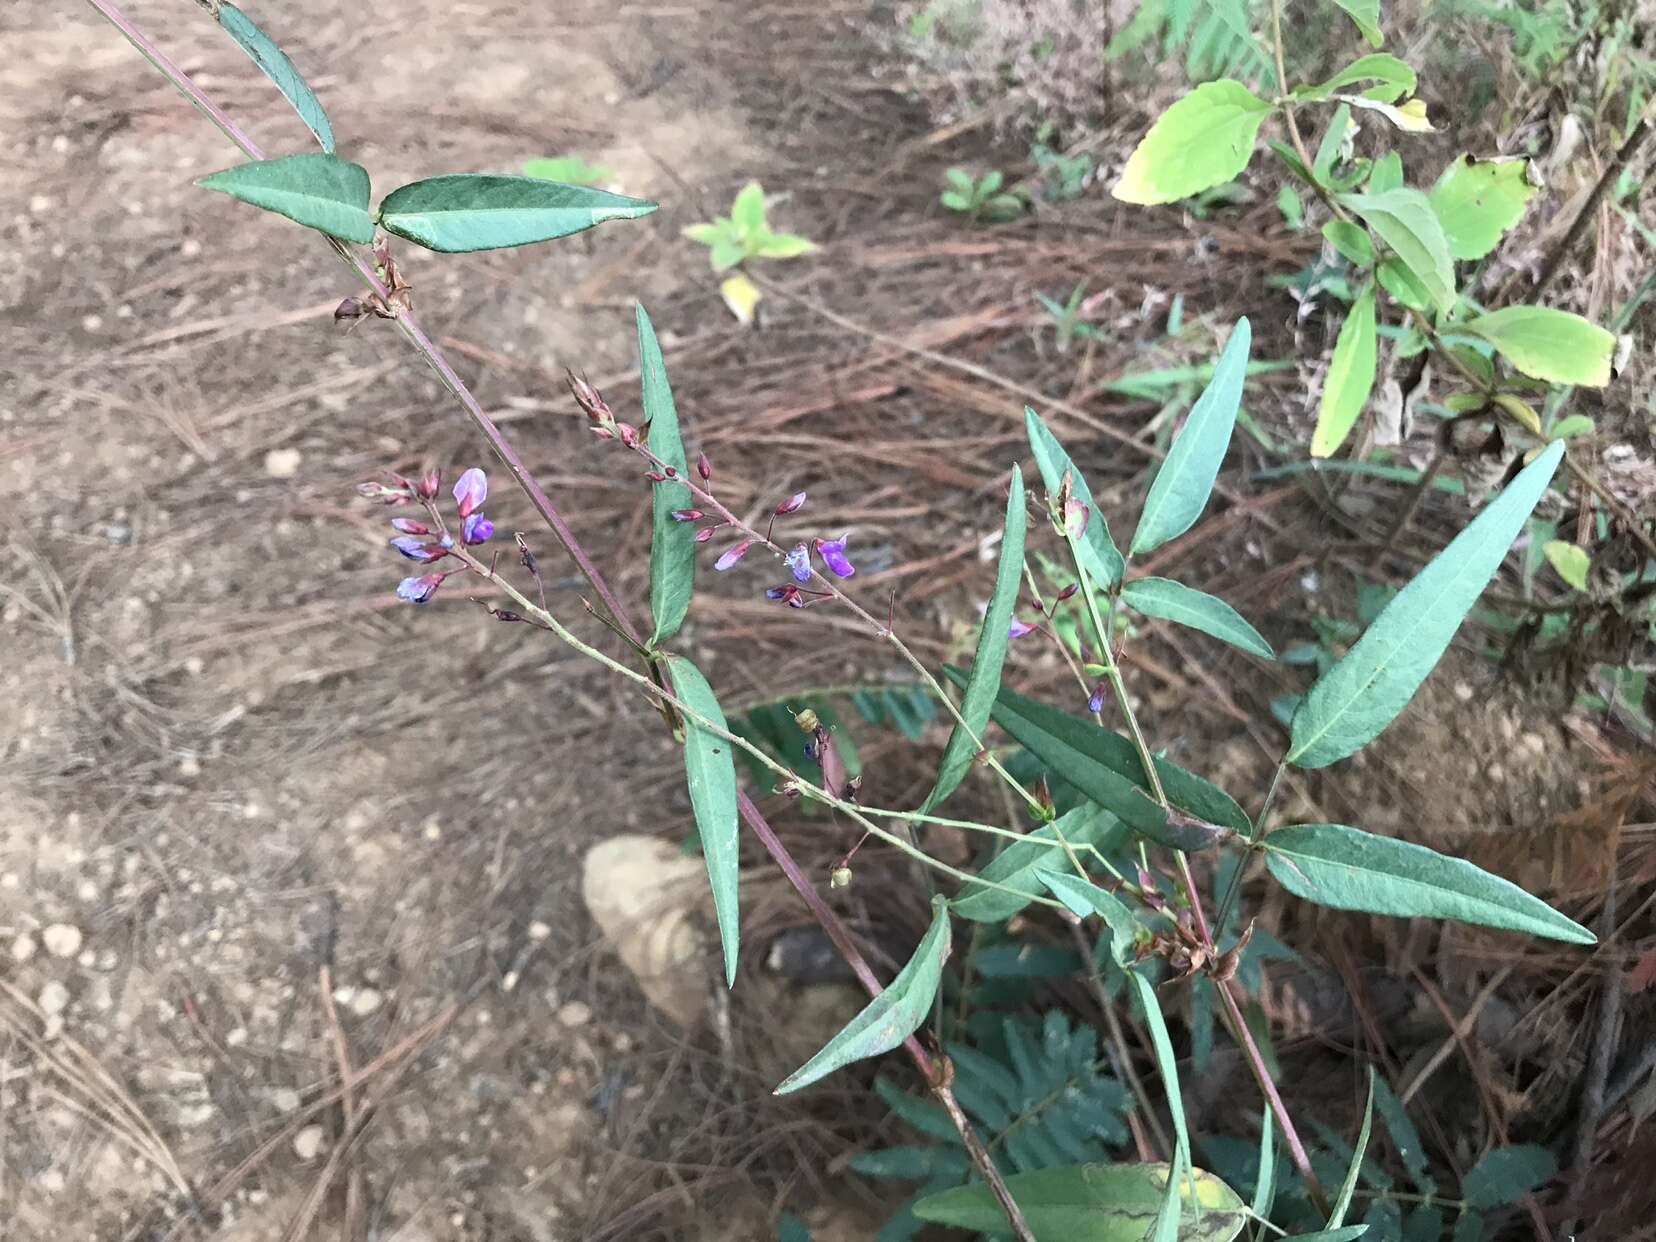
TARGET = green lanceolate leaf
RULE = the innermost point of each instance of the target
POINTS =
(1347, 869)
(1265, 1186)
(1173, 601)
(1166, 1227)
(1017, 864)
(672, 544)
(782, 246)
(1342, 1201)
(1205, 139)
(1477, 201)
(1406, 223)
(1104, 767)
(1185, 480)
(892, 1016)
(1082, 897)
(1366, 16)
(1507, 1174)
(1093, 1203)
(1548, 344)
(1392, 78)
(984, 681)
(1350, 376)
(1351, 240)
(273, 62)
(322, 192)
(710, 767)
(1099, 556)
(1374, 681)
(481, 211)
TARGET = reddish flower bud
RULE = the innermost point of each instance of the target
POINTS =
(408, 526)
(793, 504)
(589, 398)
(414, 550)
(1095, 701)
(655, 476)
(1068, 592)
(1018, 629)
(688, 515)
(628, 434)
(732, 555)
(430, 484)
(603, 433)
(705, 533)
(419, 590)
(704, 467)
(380, 491)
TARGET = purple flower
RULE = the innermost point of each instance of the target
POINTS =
(409, 526)
(419, 590)
(793, 504)
(706, 533)
(1019, 628)
(415, 550)
(477, 529)
(1095, 702)
(732, 555)
(799, 561)
(470, 491)
(832, 552)
(789, 594)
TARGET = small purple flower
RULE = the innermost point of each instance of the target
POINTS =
(732, 555)
(832, 552)
(419, 590)
(705, 533)
(409, 526)
(416, 550)
(470, 491)
(788, 594)
(477, 529)
(688, 515)
(1095, 703)
(1019, 628)
(799, 561)
(793, 504)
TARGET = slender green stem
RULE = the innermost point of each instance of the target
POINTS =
(1235, 884)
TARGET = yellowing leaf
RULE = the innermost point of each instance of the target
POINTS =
(1205, 139)
(1409, 117)
(742, 296)
(1521, 412)
(1570, 561)
(1477, 201)
(1549, 344)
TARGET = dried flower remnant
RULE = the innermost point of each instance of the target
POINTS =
(1076, 516)
(832, 552)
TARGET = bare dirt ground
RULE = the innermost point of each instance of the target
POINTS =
(257, 818)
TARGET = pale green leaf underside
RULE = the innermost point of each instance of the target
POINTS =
(321, 192)
(1185, 480)
(464, 211)
(275, 65)
(1083, 898)
(1093, 1203)
(1348, 869)
(1205, 139)
(1406, 223)
(1552, 345)
(1098, 554)
(1362, 694)
(1477, 202)
(984, 680)
(1183, 605)
(1016, 866)
(672, 544)
(710, 769)
(892, 1016)
(1350, 377)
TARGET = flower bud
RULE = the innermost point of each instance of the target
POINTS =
(408, 526)
(705, 533)
(655, 476)
(589, 399)
(793, 504)
(419, 590)
(430, 484)
(688, 515)
(1068, 592)
(839, 877)
(732, 555)
(704, 467)
(628, 434)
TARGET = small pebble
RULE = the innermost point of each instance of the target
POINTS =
(23, 948)
(365, 1002)
(62, 939)
(283, 463)
(309, 1142)
(54, 998)
(575, 1013)
(539, 930)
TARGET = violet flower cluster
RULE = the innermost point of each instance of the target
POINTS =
(425, 544)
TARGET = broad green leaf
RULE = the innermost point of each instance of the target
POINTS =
(1477, 201)
(1082, 898)
(322, 192)
(892, 1016)
(1425, 1224)
(273, 62)
(1573, 425)
(1571, 562)
(748, 211)
(571, 170)
(1507, 1174)
(783, 246)
(1093, 1203)
(1166, 1228)
(672, 544)
(1548, 344)
(1350, 377)
(1016, 865)
(984, 682)
(481, 211)
(1394, 79)
(710, 769)
(1342, 1201)
(1265, 1187)
(1104, 767)
(1366, 15)
(1396, 279)
(1350, 240)
(1184, 482)
(1347, 869)
(1406, 223)
(1374, 681)
(1205, 139)
(1099, 555)
(1173, 601)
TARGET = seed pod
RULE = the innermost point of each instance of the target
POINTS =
(839, 877)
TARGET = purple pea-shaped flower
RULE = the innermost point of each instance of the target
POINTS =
(418, 550)
(471, 489)
(1095, 701)
(799, 561)
(476, 529)
(419, 590)
(832, 552)
(1019, 628)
